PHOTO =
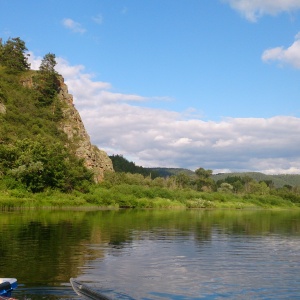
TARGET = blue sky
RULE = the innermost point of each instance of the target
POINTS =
(185, 83)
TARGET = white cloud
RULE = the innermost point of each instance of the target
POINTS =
(254, 9)
(290, 55)
(35, 61)
(162, 138)
(72, 25)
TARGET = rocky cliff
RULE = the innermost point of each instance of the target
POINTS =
(95, 159)
(79, 141)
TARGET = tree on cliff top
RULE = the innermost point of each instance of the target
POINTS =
(46, 82)
(12, 55)
(48, 63)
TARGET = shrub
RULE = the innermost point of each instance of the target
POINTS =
(200, 203)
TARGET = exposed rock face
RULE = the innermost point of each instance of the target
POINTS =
(94, 158)
(27, 81)
(2, 108)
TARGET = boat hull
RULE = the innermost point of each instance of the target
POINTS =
(7, 285)
(86, 292)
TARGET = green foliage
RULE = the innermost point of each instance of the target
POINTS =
(259, 188)
(267, 201)
(226, 187)
(24, 117)
(121, 164)
(39, 165)
(204, 181)
(245, 184)
(48, 63)
(12, 55)
(133, 196)
(273, 181)
(288, 194)
(186, 178)
(142, 195)
(168, 172)
(33, 156)
(45, 81)
(183, 180)
(35, 165)
(46, 85)
(125, 189)
(200, 203)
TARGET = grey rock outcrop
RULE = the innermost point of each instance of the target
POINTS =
(95, 159)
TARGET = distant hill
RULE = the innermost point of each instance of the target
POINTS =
(278, 180)
(121, 164)
(167, 172)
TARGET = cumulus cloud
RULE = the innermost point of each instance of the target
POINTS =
(290, 55)
(164, 138)
(254, 9)
(35, 61)
(72, 25)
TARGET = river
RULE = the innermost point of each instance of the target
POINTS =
(153, 254)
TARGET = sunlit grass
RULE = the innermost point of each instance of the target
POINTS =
(138, 197)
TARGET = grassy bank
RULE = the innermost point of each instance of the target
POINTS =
(137, 196)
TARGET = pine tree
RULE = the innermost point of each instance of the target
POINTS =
(12, 55)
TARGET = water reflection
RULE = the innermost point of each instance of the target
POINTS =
(154, 254)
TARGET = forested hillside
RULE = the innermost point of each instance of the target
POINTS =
(32, 147)
(167, 172)
(121, 164)
(277, 180)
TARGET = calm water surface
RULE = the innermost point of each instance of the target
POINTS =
(153, 254)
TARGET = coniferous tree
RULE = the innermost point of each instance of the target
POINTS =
(12, 55)
(46, 82)
(48, 63)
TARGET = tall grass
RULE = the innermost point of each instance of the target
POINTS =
(125, 195)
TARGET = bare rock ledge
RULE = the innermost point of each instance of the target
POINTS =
(95, 159)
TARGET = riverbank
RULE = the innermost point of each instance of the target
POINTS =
(140, 197)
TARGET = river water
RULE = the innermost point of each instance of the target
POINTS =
(128, 254)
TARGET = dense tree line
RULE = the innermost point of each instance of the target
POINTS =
(121, 164)
(38, 164)
(202, 181)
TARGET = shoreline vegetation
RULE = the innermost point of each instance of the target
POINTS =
(58, 200)
(134, 191)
